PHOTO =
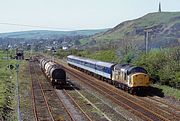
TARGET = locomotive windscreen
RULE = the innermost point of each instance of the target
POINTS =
(136, 70)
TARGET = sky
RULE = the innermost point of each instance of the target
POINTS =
(71, 15)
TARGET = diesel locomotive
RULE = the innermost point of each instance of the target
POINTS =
(124, 76)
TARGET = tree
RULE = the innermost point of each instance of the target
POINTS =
(127, 50)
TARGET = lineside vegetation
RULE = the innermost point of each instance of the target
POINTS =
(163, 65)
(7, 90)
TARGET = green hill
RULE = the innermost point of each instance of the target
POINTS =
(164, 26)
(44, 34)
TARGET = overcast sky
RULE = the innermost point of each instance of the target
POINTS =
(75, 14)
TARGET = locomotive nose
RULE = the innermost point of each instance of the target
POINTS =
(140, 80)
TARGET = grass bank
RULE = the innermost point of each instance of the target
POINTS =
(168, 91)
(7, 90)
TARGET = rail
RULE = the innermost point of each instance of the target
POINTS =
(123, 101)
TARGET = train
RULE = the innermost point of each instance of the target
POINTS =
(53, 71)
(130, 78)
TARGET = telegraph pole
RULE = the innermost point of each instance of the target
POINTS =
(147, 31)
(52, 53)
(17, 90)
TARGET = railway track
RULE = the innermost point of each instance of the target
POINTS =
(161, 106)
(46, 104)
(165, 110)
(164, 106)
(77, 105)
(164, 103)
(40, 106)
(57, 109)
(145, 112)
(85, 105)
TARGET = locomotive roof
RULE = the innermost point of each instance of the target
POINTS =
(100, 63)
(120, 66)
(129, 68)
(136, 69)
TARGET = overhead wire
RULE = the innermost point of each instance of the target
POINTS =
(36, 26)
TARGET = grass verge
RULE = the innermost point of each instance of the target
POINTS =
(169, 91)
(7, 90)
(25, 92)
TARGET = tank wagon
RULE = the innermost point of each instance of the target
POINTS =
(124, 76)
(53, 71)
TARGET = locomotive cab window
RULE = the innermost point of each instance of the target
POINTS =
(137, 70)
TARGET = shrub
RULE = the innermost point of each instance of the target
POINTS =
(163, 65)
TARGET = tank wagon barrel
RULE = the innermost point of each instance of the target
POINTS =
(53, 71)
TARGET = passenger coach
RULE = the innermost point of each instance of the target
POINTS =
(96, 67)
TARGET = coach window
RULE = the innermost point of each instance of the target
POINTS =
(103, 68)
(99, 68)
(107, 70)
(88, 64)
(91, 66)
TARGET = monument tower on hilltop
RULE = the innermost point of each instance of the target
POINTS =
(159, 7)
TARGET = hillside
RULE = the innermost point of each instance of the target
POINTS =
(165, 31)
(43, 34)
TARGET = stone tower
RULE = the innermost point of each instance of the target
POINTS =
(159, 7)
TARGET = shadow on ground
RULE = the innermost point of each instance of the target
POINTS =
(151, 91)
(68, 86)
